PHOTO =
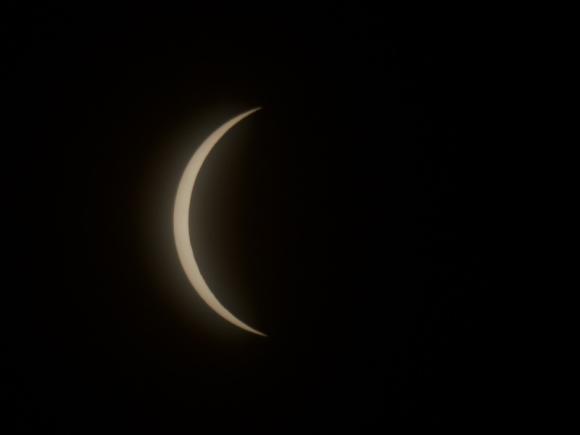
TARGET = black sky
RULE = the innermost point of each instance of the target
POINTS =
(344, 219)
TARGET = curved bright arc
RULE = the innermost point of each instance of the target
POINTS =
(181, 223)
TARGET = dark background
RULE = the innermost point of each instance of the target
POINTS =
(346, 220)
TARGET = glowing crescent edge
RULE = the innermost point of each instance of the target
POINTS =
(181, 223)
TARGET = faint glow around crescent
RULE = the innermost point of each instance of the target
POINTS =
(181, 223)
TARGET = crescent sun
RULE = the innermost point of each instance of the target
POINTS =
(181, 223)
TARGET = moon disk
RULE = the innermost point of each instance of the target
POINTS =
(181, 223)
